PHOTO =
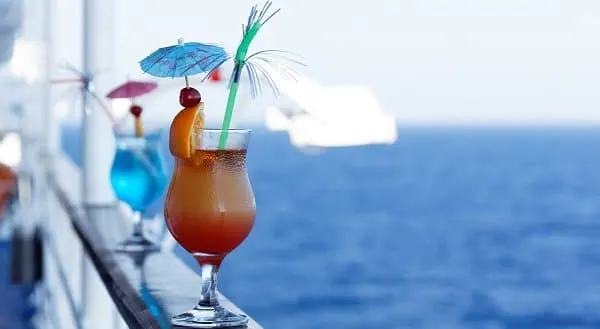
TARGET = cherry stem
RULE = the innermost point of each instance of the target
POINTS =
(187, 83)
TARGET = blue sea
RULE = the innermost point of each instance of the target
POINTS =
(447, 228)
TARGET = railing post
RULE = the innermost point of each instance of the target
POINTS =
(50, 130)
(98, 63)
(26, 107)
(98, 144)
(48, 146)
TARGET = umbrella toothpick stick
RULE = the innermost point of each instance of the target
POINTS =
(130, 90)
(187, 82)
(66, 80)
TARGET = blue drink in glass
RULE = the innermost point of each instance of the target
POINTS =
(138, 178)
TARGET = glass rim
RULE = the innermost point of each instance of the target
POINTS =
(234, 130)
(130, 133)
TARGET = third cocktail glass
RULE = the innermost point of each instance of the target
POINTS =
(138, 178)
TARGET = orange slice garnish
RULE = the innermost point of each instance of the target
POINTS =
(182, 132)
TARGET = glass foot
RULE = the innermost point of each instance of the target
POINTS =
(137, 243)
(209, 317)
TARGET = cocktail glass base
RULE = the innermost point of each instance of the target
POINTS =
(137, 243)
(210, 317)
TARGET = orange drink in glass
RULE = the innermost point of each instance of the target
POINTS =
(210, 210)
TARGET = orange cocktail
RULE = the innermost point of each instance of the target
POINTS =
(210, 206)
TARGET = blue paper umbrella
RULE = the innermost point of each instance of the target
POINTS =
(184, 59)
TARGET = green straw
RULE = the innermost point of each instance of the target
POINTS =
(255, 21)
(228, 114)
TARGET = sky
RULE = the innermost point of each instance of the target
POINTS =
(428, 61)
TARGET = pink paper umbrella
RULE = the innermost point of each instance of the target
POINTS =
(132, 89)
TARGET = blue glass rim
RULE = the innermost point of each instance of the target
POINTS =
(149, 134)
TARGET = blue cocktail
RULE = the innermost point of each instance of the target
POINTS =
(138, 177)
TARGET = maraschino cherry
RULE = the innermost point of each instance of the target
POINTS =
(189, 97)
(136, 110)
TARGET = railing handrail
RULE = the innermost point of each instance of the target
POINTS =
(85, 235)
(74, 310)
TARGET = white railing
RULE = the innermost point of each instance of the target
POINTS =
(76, 298)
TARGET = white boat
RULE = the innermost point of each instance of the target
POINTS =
(331, 116)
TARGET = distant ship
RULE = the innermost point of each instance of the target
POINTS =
(331, 116)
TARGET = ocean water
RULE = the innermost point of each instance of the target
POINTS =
(447, 228)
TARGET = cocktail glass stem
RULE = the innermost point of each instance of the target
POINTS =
(137, 241)
(138, 226)
(209, 313)
(208, 275)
